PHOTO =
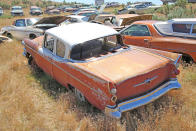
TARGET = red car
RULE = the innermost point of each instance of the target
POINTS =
(91, 60)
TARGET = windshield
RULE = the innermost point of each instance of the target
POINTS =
(32, 21)
(1, 9)
(34, 9)
(97, 48)
(17, 8)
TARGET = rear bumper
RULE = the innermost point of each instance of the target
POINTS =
(142, 100)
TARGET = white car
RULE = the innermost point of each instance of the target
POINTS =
(137, 9)
(75, 19)
(17, 11)
(31, 27)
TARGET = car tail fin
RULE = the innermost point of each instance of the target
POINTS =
(177, 61)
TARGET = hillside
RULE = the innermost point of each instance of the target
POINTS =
(6, 4)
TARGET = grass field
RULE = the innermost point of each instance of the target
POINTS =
(34, 101)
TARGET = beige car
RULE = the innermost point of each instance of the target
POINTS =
(118, 22)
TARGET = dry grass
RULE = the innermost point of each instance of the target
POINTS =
(34, 101)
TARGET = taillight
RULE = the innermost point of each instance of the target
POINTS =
(13, 23)
(174, 71)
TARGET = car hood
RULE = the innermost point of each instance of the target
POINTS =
(125, 65)
(52, 20)
(128, 21)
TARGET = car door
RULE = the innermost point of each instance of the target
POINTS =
(19, 29)
(48, 54)
(138, 35)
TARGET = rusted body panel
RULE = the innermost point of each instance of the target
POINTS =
(158, 41)
(121, 21)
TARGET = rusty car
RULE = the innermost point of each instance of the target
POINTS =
(34, 10)
(52, 10)
(31, 27)
(177, 35)
(79, 56)
(119, 22)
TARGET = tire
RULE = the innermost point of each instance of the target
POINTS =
(33, 65)
(132, 12)
(9, 35)
(32, 36)
(79, 95)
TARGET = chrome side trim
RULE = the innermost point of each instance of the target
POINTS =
(142, 100)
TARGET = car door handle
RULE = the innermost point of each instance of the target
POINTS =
(146, 40)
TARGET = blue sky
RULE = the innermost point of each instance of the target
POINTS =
(157, 2)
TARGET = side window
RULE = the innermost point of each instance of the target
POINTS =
(181, 28)
(60, 49)
(49, 42)
(29, 22)
(194, 29)
(73, 20)
(20, 23)
(137, 30)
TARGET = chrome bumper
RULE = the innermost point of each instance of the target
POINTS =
(142, 100)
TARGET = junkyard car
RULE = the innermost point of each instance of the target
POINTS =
(139, 8)
(1, 11)
(75, 19)
(119, 22)
(32, 27)
(34, 10)
(79, 56)
(52, 10)
(177, 35)
(17, 11)
(4, 39)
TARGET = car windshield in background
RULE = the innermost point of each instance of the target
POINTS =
(88, 14)
(34, 9)
(96, 48)
(16, 8)
(1, 9)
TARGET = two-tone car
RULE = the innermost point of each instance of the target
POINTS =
(91, 60)
(177, 35)
(17, 11)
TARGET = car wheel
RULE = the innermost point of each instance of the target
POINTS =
(79, 95)
(32, 36)
(9, 35)
(132, 12)
(33, 65)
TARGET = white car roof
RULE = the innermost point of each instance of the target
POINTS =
(77, 33)
(76, 16)
(183, 20)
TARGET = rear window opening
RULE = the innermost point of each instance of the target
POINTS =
(97, 48)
